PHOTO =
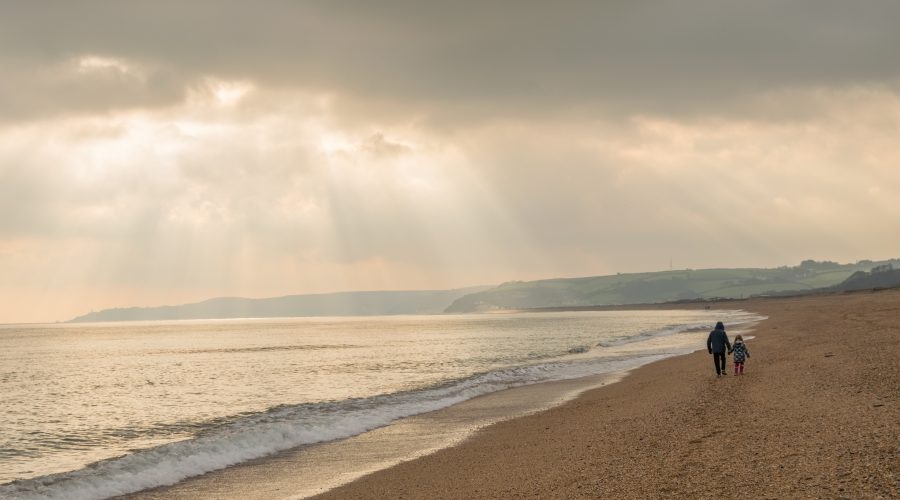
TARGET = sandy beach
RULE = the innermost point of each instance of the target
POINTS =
(816, 415)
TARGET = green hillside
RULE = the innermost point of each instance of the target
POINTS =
(664, 286)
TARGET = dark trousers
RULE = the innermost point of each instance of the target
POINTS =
(719, 360)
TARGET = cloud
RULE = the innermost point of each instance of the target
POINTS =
(271, 195)
(454, 62)
(82, 85)
(165, 152)
(704, 189)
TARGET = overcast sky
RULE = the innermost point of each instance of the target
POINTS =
(167, 152)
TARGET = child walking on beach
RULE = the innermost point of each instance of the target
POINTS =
(741, 353)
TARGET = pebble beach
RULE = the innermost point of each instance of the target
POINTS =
(816, 415)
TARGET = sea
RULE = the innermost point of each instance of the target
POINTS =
(105, 409)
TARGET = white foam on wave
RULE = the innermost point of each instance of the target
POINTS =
(280, 429)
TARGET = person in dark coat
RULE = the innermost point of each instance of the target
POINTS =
(717, 344)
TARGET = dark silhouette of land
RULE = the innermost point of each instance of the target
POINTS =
(637, 290)
(332, 304)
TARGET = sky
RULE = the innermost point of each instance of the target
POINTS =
(168, 152)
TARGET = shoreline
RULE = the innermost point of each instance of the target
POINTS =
(330, 464)
(276, 476)
(650, 434)
(816, 415)
(327, 465)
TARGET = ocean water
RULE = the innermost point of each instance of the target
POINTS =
(98, 410)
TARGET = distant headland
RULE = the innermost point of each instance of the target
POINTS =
(685, 285)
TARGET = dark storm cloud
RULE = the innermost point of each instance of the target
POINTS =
(456, 58)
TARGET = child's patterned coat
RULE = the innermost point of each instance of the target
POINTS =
(740, 351)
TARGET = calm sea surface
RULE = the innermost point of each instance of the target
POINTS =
(95, 410)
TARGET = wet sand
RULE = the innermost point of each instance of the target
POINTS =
(816, 415)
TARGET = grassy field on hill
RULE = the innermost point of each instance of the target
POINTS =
(661, 286)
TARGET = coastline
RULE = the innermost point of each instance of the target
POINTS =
(815, 415)
(658, 435)
(312, 469)
(306, 471)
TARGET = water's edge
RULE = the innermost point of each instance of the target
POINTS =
(309, 470)
(294, 451)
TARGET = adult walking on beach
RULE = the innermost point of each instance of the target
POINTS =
(717, 344)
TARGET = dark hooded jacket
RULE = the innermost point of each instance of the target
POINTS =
(717, 342)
